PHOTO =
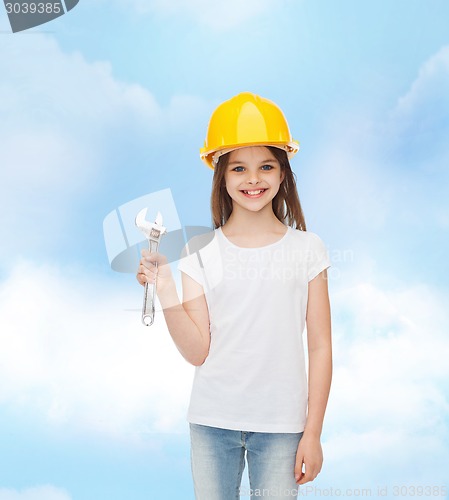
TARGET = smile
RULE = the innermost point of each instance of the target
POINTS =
(257, 193)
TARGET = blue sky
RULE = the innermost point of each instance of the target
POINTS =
(110, 103)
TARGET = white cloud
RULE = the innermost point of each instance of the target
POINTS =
(388, 414)
(64, 120)
(71, 353)
(37, 493)
(385, 178)
(389, 400)
(418, 126)
(427, 100)
(218, 16)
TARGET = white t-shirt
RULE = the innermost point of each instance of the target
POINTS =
(254, 377)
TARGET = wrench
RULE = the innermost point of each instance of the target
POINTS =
(153, 232)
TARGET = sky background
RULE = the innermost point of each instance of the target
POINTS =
(110, 103)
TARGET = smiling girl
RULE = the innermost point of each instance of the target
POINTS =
(250, 287)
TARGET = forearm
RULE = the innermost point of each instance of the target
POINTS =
(320, 377)
(183, 330)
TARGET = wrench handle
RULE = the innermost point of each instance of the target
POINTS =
(148, 297)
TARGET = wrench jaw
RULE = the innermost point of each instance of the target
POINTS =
(153, 232)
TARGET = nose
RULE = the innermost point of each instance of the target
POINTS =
(253, 178)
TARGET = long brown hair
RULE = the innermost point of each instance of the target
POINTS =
(286, 204)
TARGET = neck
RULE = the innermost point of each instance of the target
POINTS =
(246, 222)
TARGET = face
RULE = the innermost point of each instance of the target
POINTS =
(256, 170)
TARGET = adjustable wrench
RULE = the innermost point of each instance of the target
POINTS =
(153, 232)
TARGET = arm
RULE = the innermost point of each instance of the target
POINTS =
(320, 375)
(188, 323)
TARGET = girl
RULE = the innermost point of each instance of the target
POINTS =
(249, 288)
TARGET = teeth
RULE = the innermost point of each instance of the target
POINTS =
(254, 192)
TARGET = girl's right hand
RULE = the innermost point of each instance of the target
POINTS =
(149, 273)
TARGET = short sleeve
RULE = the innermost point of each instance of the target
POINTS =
(190, 263)
(318, 258)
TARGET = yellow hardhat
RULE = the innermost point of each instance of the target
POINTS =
(246, 120)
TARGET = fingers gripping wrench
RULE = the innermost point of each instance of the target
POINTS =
(153, 232)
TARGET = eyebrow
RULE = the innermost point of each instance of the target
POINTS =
(269, 160)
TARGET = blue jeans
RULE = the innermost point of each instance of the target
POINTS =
(218, 460)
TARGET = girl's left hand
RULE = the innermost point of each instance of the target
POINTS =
(310, 454)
